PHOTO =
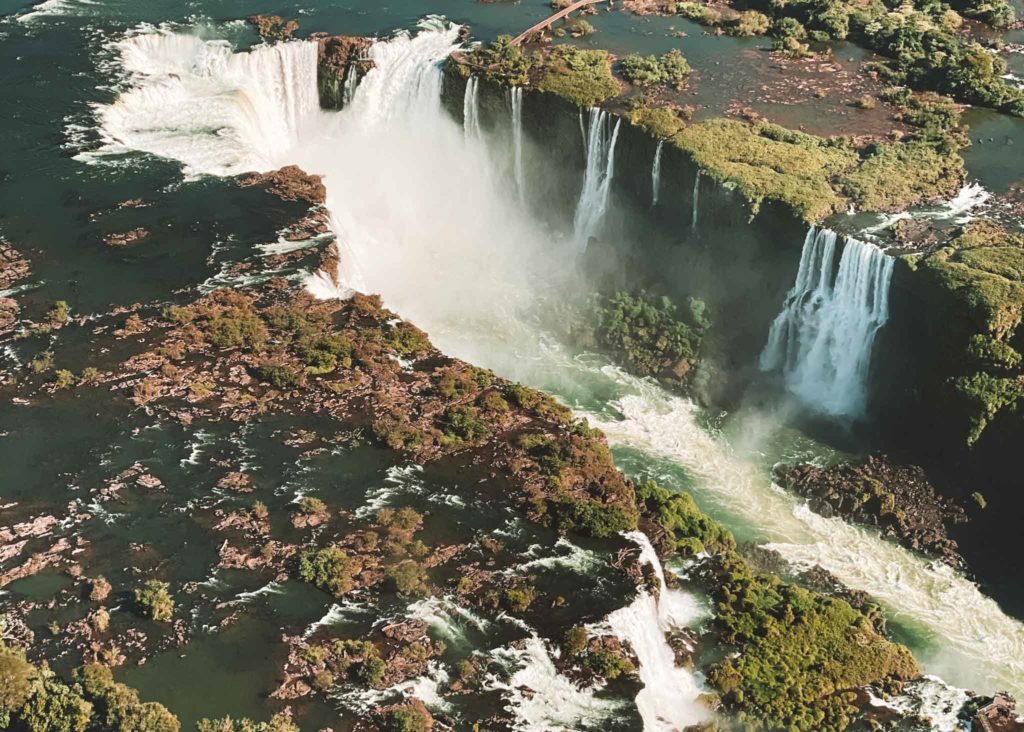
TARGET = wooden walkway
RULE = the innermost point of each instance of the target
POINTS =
(554, 18)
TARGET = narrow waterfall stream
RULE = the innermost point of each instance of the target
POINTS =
(601, 138)
(471, 286)
(351, 83)
(823, 338)
(471, 109)
(515, 98)
(656, 173)
(695, 201)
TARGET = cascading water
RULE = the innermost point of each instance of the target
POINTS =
(656, 174)
(351, 84)
(597, 179)
(668, 700)
(515, 98)
(695, 201)
(218, 112)
(471, 110)
(823, 338)
(465, 285)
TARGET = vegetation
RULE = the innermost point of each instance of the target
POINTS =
(462, 425)
(690, 531)
(278, 723)
(329, 569)
(981, 277)
(584, 77)
(649, 335)
(37, 700)
(154, 600)
(647, 71)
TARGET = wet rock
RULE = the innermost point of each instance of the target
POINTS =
(126, 238)
(273, 27)
(290, 183)
(879, 492)
(13, 266)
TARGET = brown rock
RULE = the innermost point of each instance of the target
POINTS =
(290, 183)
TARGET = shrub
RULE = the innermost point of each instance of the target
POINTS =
(154, 600)
(409, 578)
(59, 314)
(279, 374)
(42, 362)
(371, 670)
(64, 379)
(238, 328)
(461, 425)
(519, 599)
(16, 677)
(311, 506)
(584, 77)
(277, 723)
(329, 569)
(646, 71)
(691, 530)
(117, 706)
(407, 719)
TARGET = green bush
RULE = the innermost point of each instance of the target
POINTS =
(647, 71)
(154, 600)
(462, 425)
(584, 77)
(329, 569)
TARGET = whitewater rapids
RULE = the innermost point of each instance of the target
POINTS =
(421, 220)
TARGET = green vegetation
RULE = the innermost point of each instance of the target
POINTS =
(689, 529)
(894, 175)
(410, 578)
(278, 723)
(154, 600)
(800, 652)
(329, 569)
(647, 334)
(647, 71)
(584, 77)
(462, 425)
(499, 61)
(980, 275)
(766, 161)
(37, 700)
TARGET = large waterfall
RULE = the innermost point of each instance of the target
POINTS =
(823, 338)
(515, 98)
(668, 700)
(597, 179)
(656, 173)
(471, 109)
(216, 111)
(457, 266)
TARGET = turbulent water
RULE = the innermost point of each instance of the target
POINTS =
(430, 228)
(600, 138)
(668, 700)
(823, 338)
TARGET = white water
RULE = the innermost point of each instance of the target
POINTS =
(542, 699)
(351, 84)
(597, 179)
(515, 98)
(656, 173)
(695, 201)
(471, 110)
(460, 266)
(823, 338)
(668, 700)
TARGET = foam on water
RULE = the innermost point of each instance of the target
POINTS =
(668, 700)
(968, 640)
(541, 698)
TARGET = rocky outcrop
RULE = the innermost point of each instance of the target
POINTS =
(337, 55)
(896, 498)
(123, 239)
(273, 27)
(290, 183)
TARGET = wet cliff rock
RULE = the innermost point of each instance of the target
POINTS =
(338, 57)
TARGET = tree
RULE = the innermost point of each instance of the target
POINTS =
(154, 600)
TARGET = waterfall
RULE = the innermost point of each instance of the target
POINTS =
(668, 700)
(695, 201)
(471, 109)
(216, 111)
(601, 138)
(822, 339)
(515, 96)
(351, 84)
(656, 174)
